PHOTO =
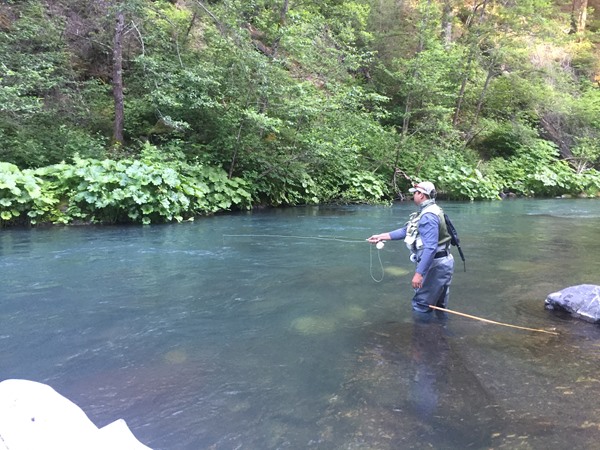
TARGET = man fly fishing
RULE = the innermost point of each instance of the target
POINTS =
(426, 236)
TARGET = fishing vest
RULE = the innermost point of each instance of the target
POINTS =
(413, 239)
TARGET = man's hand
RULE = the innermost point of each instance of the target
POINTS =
(379, 237)
(417, 281)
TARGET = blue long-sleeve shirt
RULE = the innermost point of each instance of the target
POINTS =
(429, 231)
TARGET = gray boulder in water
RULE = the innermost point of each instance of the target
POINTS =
(582, 301)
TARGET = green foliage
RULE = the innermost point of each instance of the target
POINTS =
(117, 191)
(362, 187)
(108, 191)
(586, 154)
(271, 122)
(43, 143)
(511, 97)
(536, 170)
(456, 177)
(34, 61)
(44, 109)
(428, 83)
(279, 189)
(23, 197)
(465, 182)
(500, 138)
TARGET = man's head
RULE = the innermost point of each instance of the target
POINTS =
(423, 191)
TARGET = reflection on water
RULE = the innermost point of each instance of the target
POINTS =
(201, 339)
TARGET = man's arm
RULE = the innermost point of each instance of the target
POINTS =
(390, 236)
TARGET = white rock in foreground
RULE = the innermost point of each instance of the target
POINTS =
(34, 416)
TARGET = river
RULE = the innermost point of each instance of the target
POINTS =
(284, 329)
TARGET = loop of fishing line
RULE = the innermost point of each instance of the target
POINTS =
(371, 265)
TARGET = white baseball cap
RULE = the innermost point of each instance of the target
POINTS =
(426, 187)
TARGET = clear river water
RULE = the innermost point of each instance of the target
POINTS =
(284, 329)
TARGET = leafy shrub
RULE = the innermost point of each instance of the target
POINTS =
(536, 170)
(361, 186)
(590, 182)
(43, 143)
(111, 191)
(219, 192)
(23, 197)
(456, 176)
(465, 182)
(283, 188)
(121, 191)
(502, 139)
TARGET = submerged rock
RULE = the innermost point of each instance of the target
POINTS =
(582, 301)
(35, 416)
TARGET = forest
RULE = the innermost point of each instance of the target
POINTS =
(149, 111)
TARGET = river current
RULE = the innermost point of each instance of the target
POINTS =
(284, 329)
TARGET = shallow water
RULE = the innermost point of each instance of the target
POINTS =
(245, 331)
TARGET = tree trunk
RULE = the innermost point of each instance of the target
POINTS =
(578, 16)
(447, 18)
(117, 81)
(490, 75)
(406, 118)
(463, 88)
(283, 12)
(220, 26)
(552, 130)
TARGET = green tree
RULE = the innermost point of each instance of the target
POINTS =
(44, 116)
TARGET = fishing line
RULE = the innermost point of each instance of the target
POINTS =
(371, 264)
(322, 238)
(487, 320)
